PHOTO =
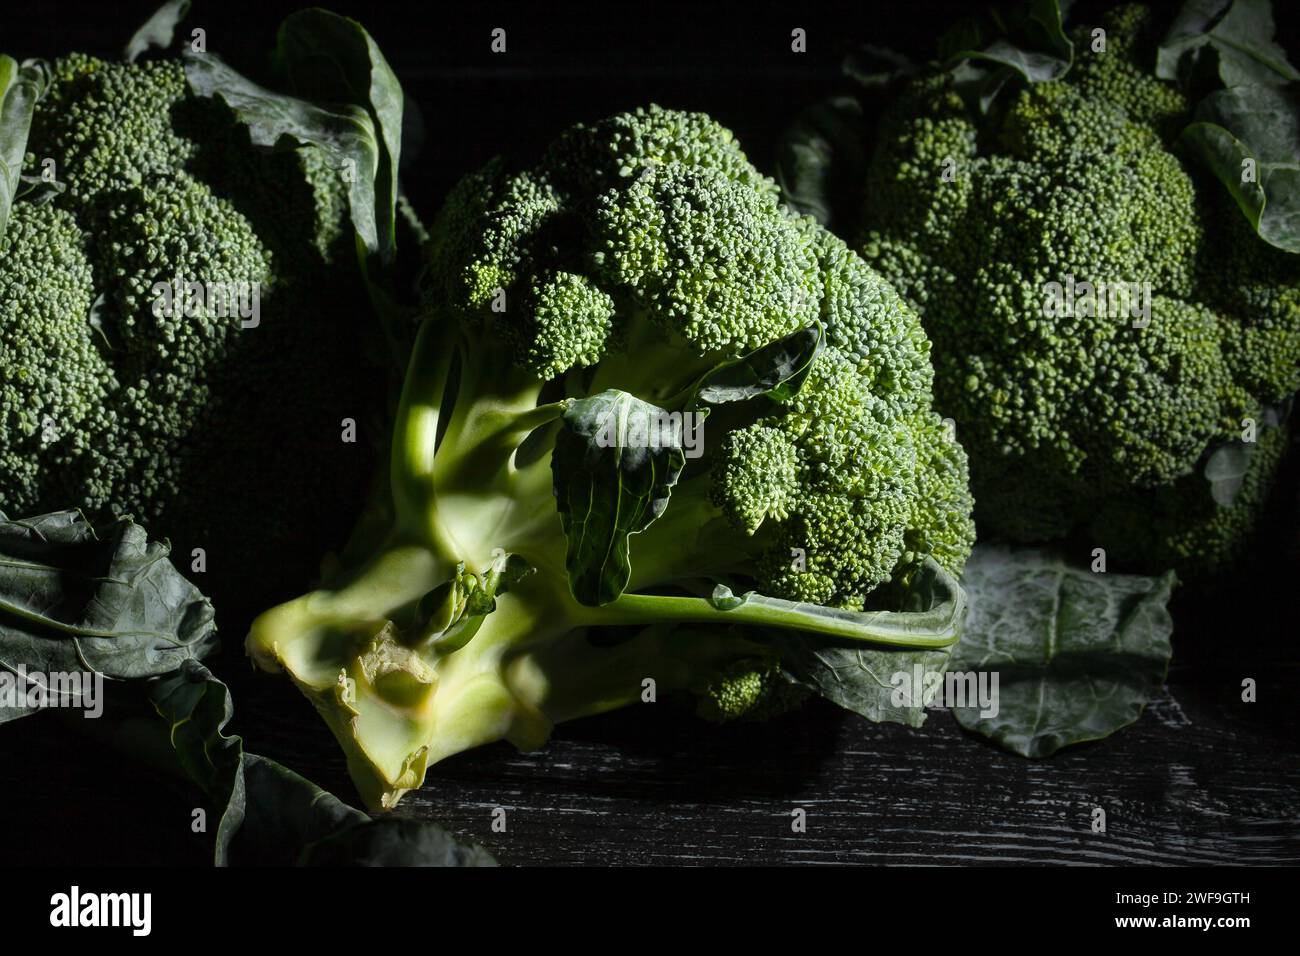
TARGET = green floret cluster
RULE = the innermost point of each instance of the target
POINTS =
(187, 421)
(649, 247)
(1073, 417)
(749, 689)
(544, 563)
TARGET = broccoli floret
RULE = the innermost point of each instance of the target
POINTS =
(188, 421)
(641, 263)
(748, 689)
(1073, 417)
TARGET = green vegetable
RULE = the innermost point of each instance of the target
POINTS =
(1099, 420)
(181, 307)
(1259, 125)
(1231, 39)
(555, 523)
(73, 602)
(991, 50)
(1078, 654)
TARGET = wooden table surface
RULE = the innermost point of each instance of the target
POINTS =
(1201, 778)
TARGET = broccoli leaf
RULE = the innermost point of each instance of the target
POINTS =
(820, 158)
(71, 600)
(988, 51)
(20, 87)
(1078, 654)
(1227, 41)
(196, 706)
(615, 462)
(275, 120)
(332, 59)
(158, 30)
(776, 370)
(279, 816)
(1249, 137)
(876, 683)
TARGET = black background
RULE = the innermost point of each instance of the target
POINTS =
(1202, 778)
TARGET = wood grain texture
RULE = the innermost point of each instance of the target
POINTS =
(1200, 779)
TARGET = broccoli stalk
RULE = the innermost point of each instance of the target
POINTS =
(407, 671)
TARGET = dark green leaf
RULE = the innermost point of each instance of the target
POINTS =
(1231, 40)
(332, 59)
(1026, 42)
(1078, 654)
(20, 87)
(820, 158)
(346, 133)
(196, 707)
(71, 600)
(269, 814)
(873, 67)
(880, 684)
(776, 370)
(615, 463)
(158, 30)
(1254, 127)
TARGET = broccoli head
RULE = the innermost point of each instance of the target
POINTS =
(641, 383)
(1079, 414)
(139, 377)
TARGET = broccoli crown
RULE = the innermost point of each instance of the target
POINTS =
(643, 250)
(1069, 412)
(181, 417)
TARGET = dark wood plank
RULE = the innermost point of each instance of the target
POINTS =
(1192, 782)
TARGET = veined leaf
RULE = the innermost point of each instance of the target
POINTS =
(1077, 654)
(776, 370)
(332, 59)
(820, 157)
(21, 85)
(615, 463)
(279, 816)
(1223, 41)
(879, 682)
(71, 600)
(276, 120)
(1254, 129)
(987, 51)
